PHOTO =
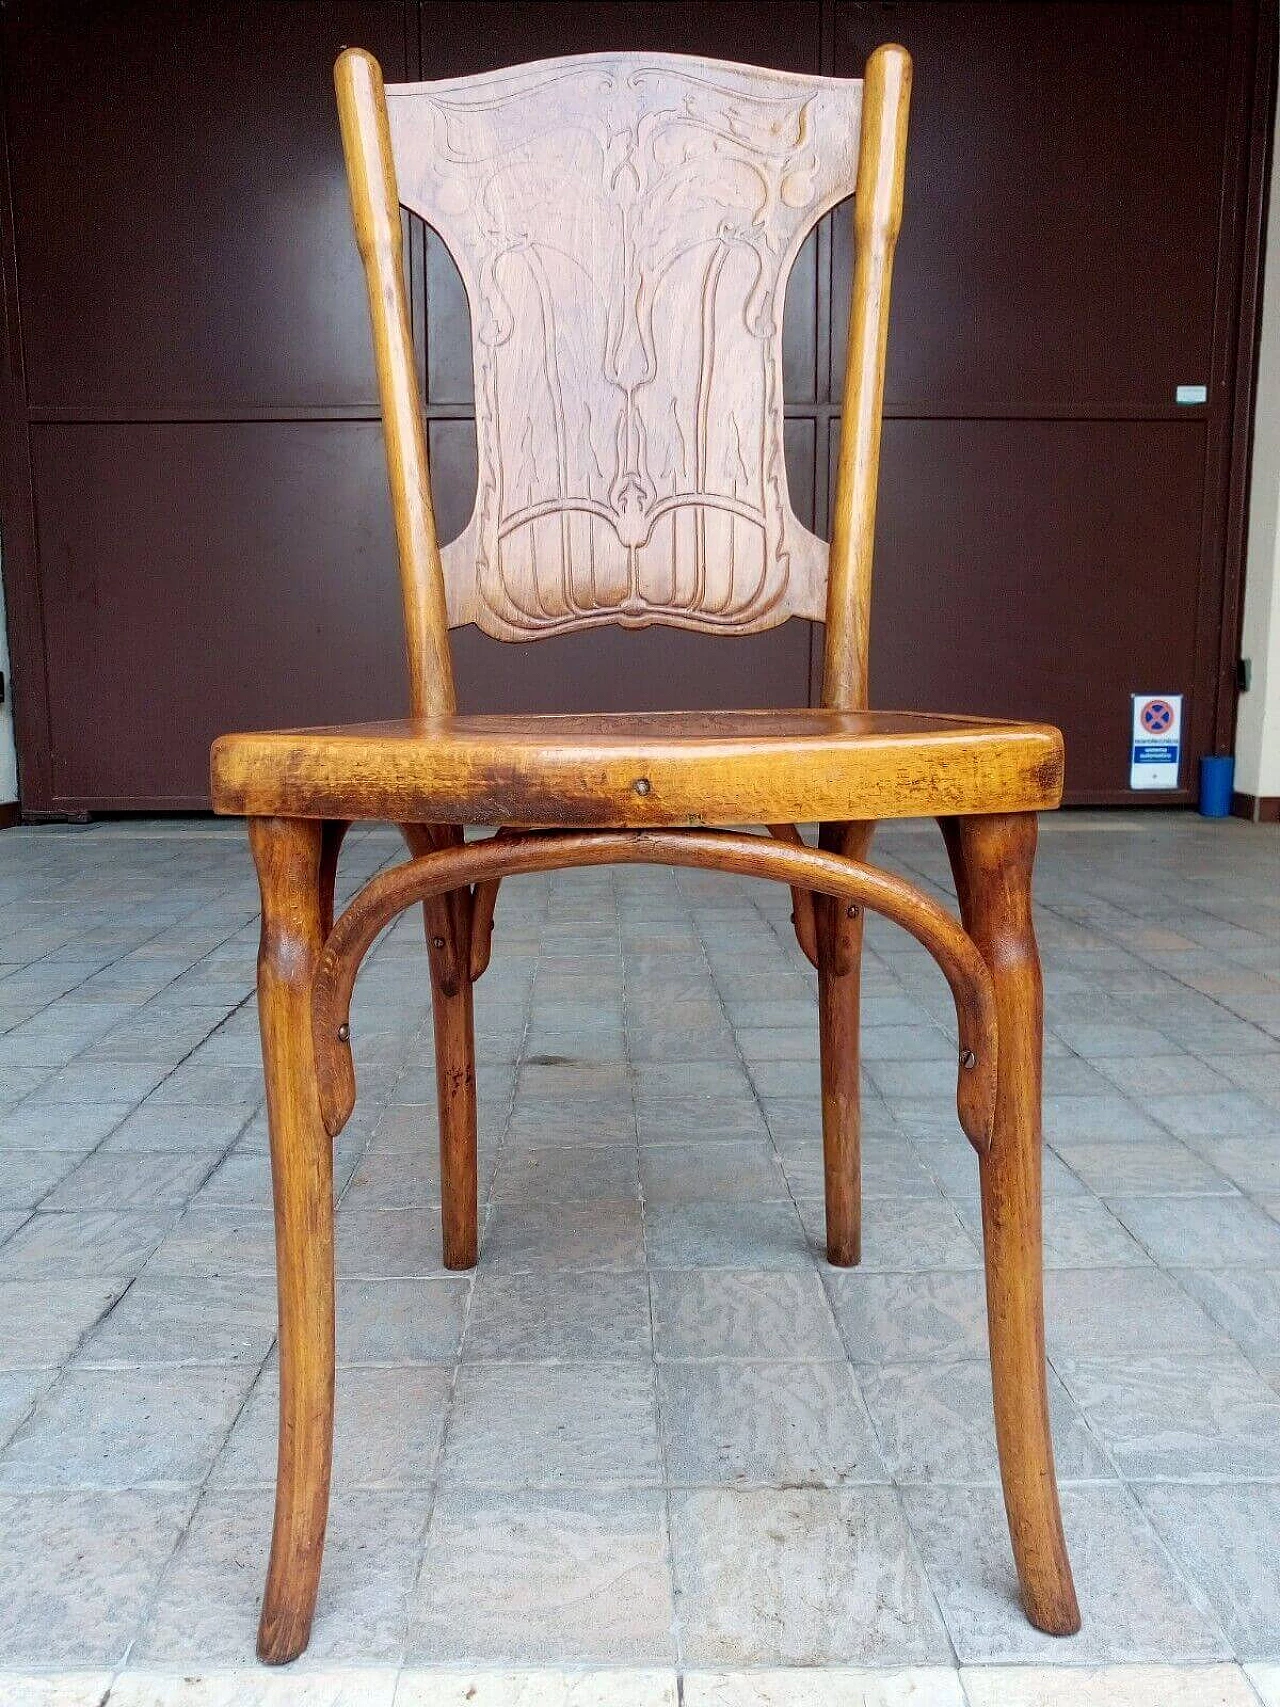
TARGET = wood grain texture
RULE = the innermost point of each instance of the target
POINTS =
(375, 205)
(746, 767)
(288, 856)
(877, 218)
(802, 910)
(624, 225)
(992, 861)
(839, 927)
(753, 856)
(447, 921)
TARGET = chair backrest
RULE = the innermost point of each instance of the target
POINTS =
(624, 225)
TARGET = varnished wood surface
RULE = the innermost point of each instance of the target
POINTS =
(624, 225)
(375, 204)
(450, 868)
(295, 876)
(992, 861)
(838, 930)
(877, 217)
(660, 768)
(546, 551)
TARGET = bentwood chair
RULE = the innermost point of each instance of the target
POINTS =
(625, 225)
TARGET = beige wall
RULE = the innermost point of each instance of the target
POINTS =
(1258, 727)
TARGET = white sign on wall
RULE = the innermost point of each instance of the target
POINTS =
(1156, 750)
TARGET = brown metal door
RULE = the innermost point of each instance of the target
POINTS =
(193, 487)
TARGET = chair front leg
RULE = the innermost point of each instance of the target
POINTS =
(839, 943)
(992, 859)
(290, 855)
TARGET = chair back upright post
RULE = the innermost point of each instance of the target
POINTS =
(877, 218)
(375, 202)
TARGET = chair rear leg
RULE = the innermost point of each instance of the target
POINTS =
(452, 1017)
(289, 854)
(992, 858)
(839, 934)
(447, 922)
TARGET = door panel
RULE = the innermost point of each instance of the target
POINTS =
(196, 522)
(205, 577)
(1039, 569)
(1060, 240)
(201, 254)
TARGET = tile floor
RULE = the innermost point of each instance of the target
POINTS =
(653, 1446)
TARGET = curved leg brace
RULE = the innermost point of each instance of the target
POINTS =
(437, 873)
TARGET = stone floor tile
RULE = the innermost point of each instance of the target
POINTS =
(1214, 1232)
(119, 1429)
(1107, 1686)
(543, 1687)
(168, 1126)
(387, 1430)
(904, 1234)
(53, 1245)
(1252, 1164)
(175, 1319)
(28, 1176)
(709, 1172)
(388, 1244)
(77, 1571)
(750, 1424)
(1108, 1312)
(1151, 1168)
(1106, 1119)
(725, 1235)
(121, 1179)
(562, 1173)
(803, 1577)
(1136, 1605)
(607, 1233)
(544, 1577)
(539, 1425)
(1162, 1075)
(684, 1120)
(235, 1241)
(548, 1313)
(899, 1318)
(1179, 1418)
(1226, 1114)
(933, 1423)
(58, 1689)
(45, 1320)
(1264, 1675)
(830, 1686)
(1224, 1539)
(255, 1686)
(206, 1607)
(1246, 1302)
(74, 1127)
(401, 1321)
(741, 1313)
(19, 1389)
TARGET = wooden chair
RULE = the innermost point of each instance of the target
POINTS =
(625, 225)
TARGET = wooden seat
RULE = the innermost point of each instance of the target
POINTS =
(655, 768)
(624, 225)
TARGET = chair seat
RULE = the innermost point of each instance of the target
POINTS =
(643, 768)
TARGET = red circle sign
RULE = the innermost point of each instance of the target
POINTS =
(1157, 717)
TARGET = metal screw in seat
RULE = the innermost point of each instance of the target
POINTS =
(642, 785)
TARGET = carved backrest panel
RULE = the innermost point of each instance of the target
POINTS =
(625, 225)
